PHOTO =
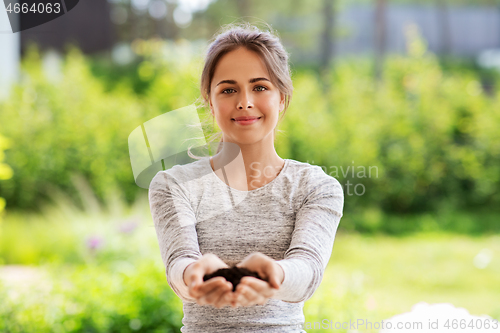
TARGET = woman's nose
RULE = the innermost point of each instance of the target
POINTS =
(240, 106)
(244, 102)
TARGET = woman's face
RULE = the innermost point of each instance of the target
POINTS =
(241, 88)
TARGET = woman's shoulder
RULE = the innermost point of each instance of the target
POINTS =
(309, 174)
(189, 172)
(313, 183)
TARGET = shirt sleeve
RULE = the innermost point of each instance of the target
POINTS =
(174, 221)
(312, 241)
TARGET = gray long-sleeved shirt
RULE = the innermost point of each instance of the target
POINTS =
(293, 219)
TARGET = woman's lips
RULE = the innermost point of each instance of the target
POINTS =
(246, 121)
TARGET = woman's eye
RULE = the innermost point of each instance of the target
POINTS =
(231, 90)
(224, 91)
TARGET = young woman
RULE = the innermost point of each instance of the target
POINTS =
(246, 205)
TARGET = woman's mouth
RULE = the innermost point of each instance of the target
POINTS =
(248, 121)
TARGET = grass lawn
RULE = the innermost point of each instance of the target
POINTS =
(370, 277)
(376, 277)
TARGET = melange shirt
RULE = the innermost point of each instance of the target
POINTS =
(292, 219)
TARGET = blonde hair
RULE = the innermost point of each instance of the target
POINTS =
(265, 43)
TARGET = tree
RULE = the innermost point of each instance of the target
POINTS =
(444, 28)
(380, 37)
(328, 35)
(327, 42)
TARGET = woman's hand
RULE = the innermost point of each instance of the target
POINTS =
(250, 290)
(216, 291)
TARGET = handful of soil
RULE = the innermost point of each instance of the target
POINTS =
(233, 275)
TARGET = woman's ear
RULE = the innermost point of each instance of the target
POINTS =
(282, 103)
(211, 108)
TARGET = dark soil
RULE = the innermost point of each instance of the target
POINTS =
(233, 275)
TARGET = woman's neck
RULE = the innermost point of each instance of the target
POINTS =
(247, 166)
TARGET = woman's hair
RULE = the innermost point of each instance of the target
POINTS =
(265, 43)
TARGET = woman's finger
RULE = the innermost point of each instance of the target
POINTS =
(245, 295)
(224, 299)
(250, 297)
(270, 272)
(206, 287)
(265, 266)
(274, 275)
(215, 294)
(261, 287)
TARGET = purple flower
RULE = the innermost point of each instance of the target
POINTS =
(94, 242)
(128, 226)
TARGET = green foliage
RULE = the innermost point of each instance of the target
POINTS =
(118, 283)
(367, 277)
(119, 298)
(64, 234)
(421, 139)
(470, 222)
(73, 126)
(5, 170)
(428, 138)
(96, 271)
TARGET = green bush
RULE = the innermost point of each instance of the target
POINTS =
(421, 139)
(92, 271)
(113, 298)
(62, 233)
(5, 170)
(72, 126)
(429, 138)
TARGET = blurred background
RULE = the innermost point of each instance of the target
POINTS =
(398, 100)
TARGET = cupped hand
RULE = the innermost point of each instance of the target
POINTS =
(215, 291)
(252, 291)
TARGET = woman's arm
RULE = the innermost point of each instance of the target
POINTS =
(174, 222)
(312, 240)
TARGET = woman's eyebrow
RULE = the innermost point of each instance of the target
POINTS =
(250, 81)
